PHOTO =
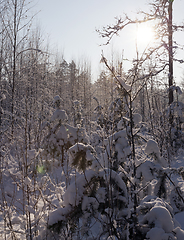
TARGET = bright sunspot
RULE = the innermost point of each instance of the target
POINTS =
(145, 34)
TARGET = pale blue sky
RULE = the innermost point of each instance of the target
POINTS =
(70, 26)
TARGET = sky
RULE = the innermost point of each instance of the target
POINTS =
(70, 27)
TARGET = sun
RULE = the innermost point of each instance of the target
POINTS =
(145, 34)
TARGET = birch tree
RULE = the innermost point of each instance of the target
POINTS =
(16, 25)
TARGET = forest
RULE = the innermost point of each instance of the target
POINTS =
(83, 159)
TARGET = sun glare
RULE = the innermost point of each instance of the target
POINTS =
(145, 34)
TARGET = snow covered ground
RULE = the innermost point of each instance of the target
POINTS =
(40, 191)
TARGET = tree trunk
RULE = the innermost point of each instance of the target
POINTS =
(14, 62)
(170, 35)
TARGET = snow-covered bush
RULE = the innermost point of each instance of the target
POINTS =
(82, 157)
(117, 150)
(95, 203)
(114, 177)
(157, 218)
(99, 201)
(61, 136)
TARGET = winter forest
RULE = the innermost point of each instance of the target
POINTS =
(83, 159)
